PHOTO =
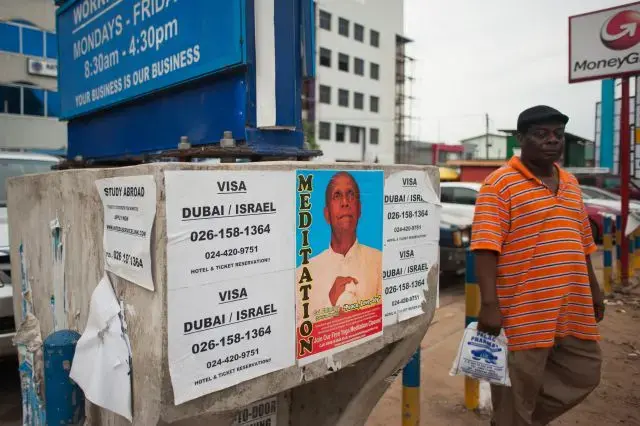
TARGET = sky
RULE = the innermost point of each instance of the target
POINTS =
(496, 57)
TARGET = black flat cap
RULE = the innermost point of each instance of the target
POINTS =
(540, 114)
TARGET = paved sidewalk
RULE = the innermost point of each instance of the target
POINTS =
(616, 401)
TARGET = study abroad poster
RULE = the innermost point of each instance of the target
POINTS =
(338, 260)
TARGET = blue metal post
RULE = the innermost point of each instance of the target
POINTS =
(63, 398)
(411, 391)
(607, 113)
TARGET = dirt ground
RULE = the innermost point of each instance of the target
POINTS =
(615, 401)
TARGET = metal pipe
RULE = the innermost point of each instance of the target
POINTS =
(472, 310)
(411, 391)
(625, 175)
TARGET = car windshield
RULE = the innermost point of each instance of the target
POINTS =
(10, 167)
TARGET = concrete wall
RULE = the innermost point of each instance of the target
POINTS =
(23, 131)
(39, 12)
(13, 69)
(312, 395)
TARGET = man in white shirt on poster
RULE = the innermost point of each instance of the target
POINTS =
(347, 271)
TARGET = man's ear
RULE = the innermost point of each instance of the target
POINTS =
(326, 215)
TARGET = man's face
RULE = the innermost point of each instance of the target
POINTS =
(543, 143)
(343, 209)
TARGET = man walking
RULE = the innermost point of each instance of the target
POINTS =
(532, 241)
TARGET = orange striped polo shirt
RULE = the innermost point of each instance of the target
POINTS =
(542, 239)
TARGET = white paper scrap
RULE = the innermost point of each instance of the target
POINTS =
(102, 361)
(129, 204)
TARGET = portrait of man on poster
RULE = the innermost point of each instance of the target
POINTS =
(347, 271)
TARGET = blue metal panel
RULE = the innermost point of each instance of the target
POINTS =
(64, 399)
(120, 50)
(288, 63)
(201, 111)
(309, 40)
(606, 123)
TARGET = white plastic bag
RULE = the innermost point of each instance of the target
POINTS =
(482, 357)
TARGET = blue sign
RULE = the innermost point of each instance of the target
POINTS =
(111, 51)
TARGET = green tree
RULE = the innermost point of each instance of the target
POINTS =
(309, 131)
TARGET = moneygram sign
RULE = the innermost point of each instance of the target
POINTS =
(605, 43)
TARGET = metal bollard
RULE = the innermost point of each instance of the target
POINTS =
(632, 255)
(618, 272)
(63, 398)
(472, 309)
(411, 391)
(607, 242)
(636, 260)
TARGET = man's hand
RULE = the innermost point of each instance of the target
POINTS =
(490, 319)
(596, 292)
(338, 288)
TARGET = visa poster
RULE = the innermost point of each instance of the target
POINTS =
(339, 242)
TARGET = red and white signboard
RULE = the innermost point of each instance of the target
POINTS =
(605, 43)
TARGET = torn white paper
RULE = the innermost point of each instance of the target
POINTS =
(129, 204)
(102, 361)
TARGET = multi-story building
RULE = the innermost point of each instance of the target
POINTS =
(29, 101)
(352, 103)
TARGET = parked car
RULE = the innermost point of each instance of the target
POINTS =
(595, 195)
(460, 198)
(13, 164)
(455, 235)
(607, 182)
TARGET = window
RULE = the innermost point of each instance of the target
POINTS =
(10, 168)
(325, 57)
(374, 71)
(356, 134)
(458, 195)
(34, 101)
(343, 27)
(52, 46)
(340, 132)
(374, 104)
(325, 94)
(374, 38)
(343, 62)
(325, 20)
(29, 100)
(32, 42)
(358, 32)
(9, 38)
(10, 100)
(325, 130)
(358, 66)
(343, 97)
(374, 134)
(53, 104)
(358, 100)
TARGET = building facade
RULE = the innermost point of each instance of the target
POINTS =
(353, 100)
(489, 146)
(29, 100)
